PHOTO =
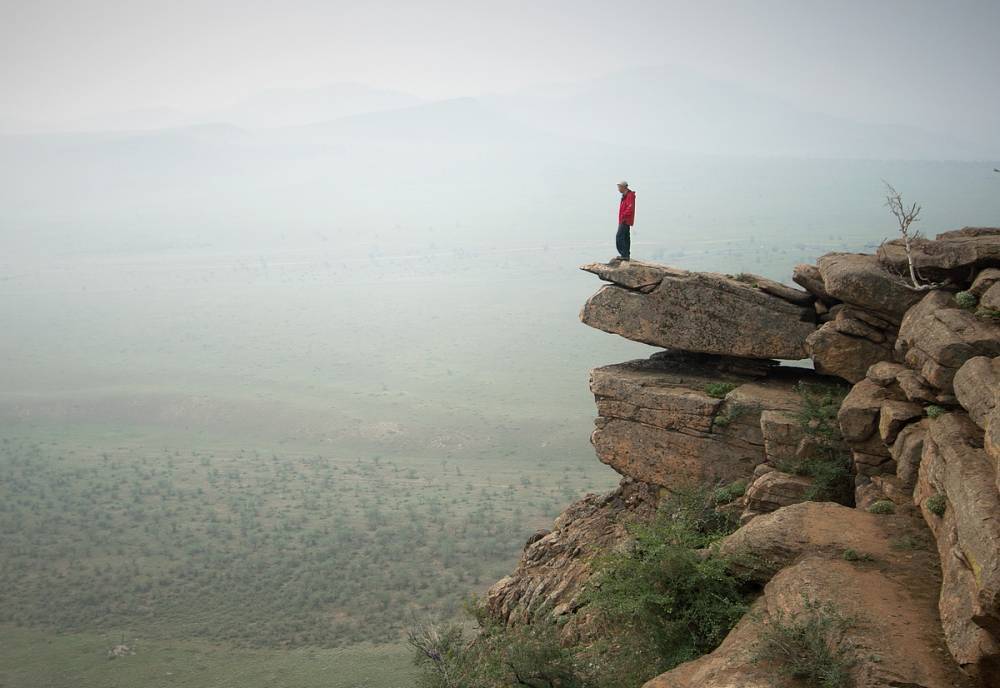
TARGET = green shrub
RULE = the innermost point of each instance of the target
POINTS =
(934, 411)
(719, 389)
(810, 646)
(662, 589)
(988, 315)
(966, 300)
(854, 555)
(936, 504)
(829, 465)
(731, 412)
(882, 506)
(727, 493)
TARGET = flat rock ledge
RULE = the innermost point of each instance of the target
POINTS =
(701, 312)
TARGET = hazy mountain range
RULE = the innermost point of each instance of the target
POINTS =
(662, 108)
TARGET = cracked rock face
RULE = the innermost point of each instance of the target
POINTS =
(659, 423)
(955, 466)
(699, 312)
(554, 567)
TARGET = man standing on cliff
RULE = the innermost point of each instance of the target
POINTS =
(626, 218)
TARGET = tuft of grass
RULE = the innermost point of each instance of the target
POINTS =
(936, 504)
(882, 506)
(719, 390)
(966, 300)
(934, 411)
(988, 315)
(854, 555)
(810, 646)
(907, 543)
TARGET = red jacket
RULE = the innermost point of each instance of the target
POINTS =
(626, 211)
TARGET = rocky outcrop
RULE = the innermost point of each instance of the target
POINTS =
(920, 574)
(890, 607)
(954, 254)
(937, 337)
(957, 494)
(555, 566)
(677, 420)
(697, 312)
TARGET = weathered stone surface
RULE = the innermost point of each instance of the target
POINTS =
(698, 312)
(553, 568)
(836, 353)
(990, 299)
(906, 452)
(859, 412)
(894, 415)
(809, 278)
(884, 373)
(782, 291)
(857, 328)
(936, 338)
(658, 424)
(984, 280)
(773, 490)
(915, 387)
(895, 633)
(968, 537)
(782, 434)
(860, 279)
(954, 253)
(977, 384)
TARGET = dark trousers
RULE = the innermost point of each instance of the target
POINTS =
(623, 241)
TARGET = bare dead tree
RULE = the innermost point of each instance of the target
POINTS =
(433, 645)
(905, 218)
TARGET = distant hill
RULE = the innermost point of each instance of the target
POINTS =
(675, 109)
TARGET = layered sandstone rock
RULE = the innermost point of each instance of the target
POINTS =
(660, 423)
(951, 255)
(698, 312)
(937, 337)
(957, 474)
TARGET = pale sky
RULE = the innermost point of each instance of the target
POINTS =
(922, 62)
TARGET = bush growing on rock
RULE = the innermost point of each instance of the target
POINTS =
(810, 646)
(882, 506)
(936, 504)
(663, 589)
(719, 389)
(966, 300)
(935, 411)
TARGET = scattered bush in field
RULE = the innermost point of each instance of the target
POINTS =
(966, 300)
(854, 555)
(934, 411)
(719, 390)
(882, 506)
(810, 646)
(936, 504)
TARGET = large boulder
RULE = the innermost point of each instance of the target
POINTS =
(957, 493)
(977, 384)
(840, 352)
(674, 420)
(773, 490)
(937, 337)
(951, 254)
(860, 280)
(699, 312)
